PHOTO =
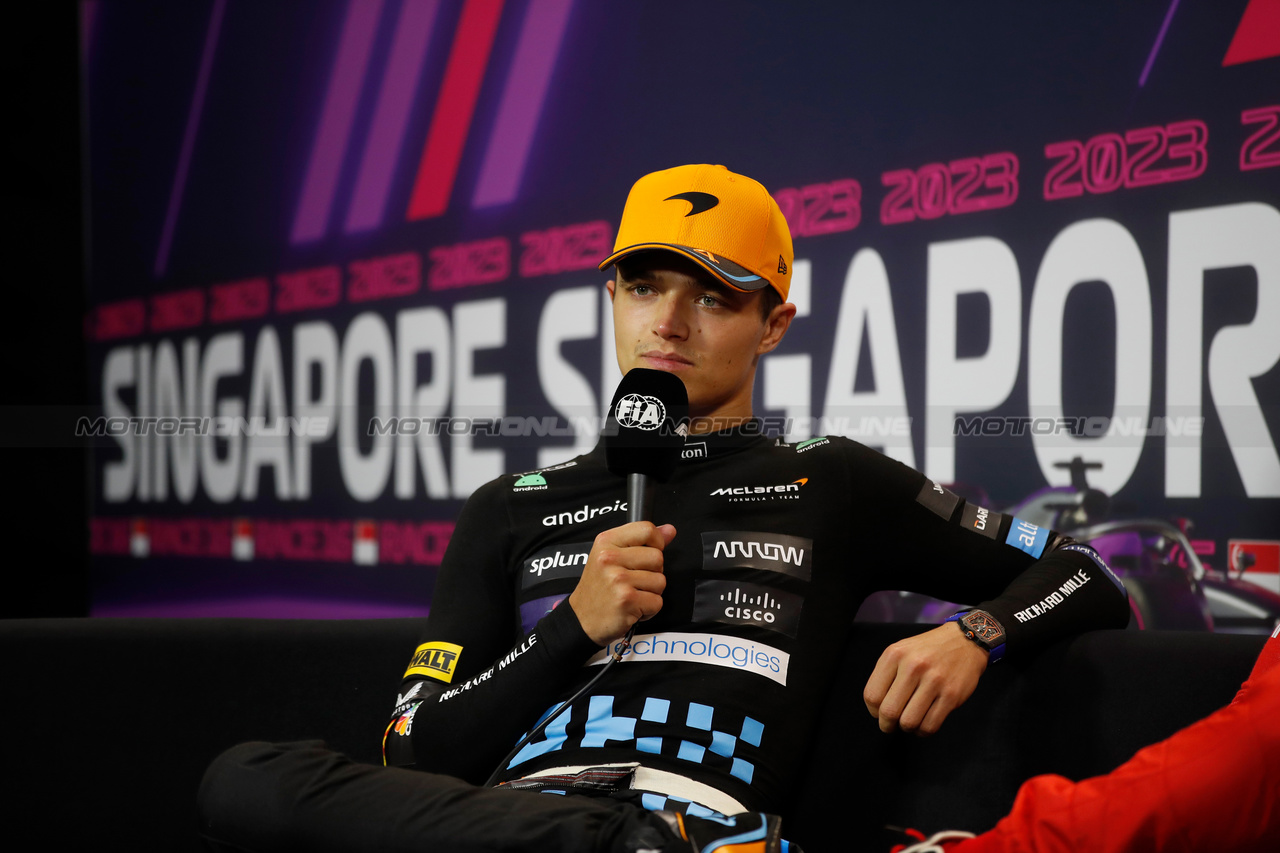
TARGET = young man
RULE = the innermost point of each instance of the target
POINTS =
(742, 592)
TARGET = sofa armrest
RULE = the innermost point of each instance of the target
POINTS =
(1079, 709)
(115, 720)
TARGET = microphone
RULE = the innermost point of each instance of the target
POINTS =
(644, 433)
(643, 436)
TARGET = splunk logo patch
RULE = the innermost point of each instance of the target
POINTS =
(743, 549)
(434, 660)
(555, 562)
(711, 649)
(747, 604)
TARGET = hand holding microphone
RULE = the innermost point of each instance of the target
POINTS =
(623, 582)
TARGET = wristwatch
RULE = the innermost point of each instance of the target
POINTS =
(984, 629)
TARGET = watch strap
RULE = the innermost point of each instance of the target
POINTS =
(995, 652)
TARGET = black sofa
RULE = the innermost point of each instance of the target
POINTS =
(109, 723)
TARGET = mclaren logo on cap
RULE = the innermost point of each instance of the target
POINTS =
(701, 202)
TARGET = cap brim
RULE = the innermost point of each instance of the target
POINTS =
(732, 274)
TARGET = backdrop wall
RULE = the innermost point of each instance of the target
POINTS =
(342, 260)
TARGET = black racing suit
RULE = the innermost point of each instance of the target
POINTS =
(776, 547)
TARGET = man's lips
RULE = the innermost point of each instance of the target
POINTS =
(668, 360)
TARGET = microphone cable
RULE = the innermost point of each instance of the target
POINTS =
(614, 657)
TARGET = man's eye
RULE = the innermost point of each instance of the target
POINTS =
(708, 301)
(640, 289)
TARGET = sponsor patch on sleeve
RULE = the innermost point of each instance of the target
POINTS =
(981, 520)
(1097, 559)
(942, 502)
(403, 700)
(435, 660)
(1028, 537)
(403, 724)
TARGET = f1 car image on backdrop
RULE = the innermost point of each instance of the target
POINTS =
(1169, 586)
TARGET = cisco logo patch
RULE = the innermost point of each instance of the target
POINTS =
(733, 603)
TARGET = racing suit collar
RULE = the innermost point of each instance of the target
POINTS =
(703, 446)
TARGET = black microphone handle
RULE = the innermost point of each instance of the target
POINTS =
(639, 497)
(639, 508)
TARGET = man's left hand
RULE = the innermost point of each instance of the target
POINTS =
(920, 680)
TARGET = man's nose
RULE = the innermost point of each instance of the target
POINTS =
(670, 322)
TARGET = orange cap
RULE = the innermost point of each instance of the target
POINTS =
(727, 223)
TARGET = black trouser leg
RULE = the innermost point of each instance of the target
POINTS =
(265, 798)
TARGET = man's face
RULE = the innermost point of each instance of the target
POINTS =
(670, 314)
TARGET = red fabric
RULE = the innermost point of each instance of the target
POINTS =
(1267, 660)
(1212, 787)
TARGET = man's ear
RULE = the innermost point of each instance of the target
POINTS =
(611, 286)
(775, 326)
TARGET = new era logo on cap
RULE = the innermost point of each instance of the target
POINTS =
(732, 227)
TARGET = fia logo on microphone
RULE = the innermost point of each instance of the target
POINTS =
(640, 411)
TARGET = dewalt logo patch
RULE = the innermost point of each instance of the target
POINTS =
(435, 660)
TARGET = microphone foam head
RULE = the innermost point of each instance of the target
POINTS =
(647, 423)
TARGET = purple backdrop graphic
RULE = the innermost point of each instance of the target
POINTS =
(342, 260)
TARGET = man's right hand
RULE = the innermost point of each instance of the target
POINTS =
(622, 582)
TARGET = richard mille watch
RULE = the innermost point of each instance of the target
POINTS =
(984, 629)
